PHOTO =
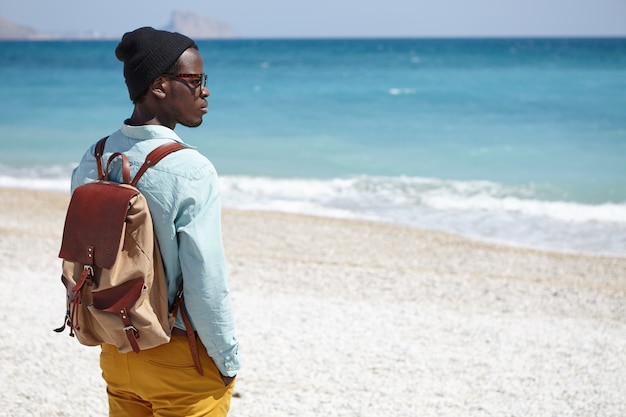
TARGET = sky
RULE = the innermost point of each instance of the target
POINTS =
(334, 18)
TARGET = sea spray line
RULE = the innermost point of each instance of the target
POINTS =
(432, 193)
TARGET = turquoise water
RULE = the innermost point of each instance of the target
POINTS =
(520, 140)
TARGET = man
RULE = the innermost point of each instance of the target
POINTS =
(165, 78)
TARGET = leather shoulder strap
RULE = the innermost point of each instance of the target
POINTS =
(155, 156)
(98, 154)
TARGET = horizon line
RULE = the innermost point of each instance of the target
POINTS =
(346, 37)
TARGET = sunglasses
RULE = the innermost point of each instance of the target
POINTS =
(197, 80)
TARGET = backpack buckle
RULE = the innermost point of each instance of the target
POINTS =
(133, 328)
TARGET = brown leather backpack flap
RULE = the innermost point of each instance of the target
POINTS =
(95, 221)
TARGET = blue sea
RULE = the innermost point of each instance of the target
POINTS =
(519, 141)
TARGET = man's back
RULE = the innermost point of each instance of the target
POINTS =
(184, 199)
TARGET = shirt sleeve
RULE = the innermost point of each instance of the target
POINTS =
(86, 171)
(203, 266)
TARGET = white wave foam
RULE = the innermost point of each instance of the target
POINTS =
(479, 209)
(401, 91)
(459, 196)
(35, 184)
(42, 177)
(558, 210)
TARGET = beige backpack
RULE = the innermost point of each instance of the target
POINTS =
(112, 269)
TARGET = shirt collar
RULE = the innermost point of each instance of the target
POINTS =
(150, 132)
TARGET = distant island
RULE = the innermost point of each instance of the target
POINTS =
(188, 23)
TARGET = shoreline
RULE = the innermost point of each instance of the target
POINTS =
(348, 317)
(474, 238)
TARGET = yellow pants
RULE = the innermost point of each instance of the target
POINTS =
(163, 382)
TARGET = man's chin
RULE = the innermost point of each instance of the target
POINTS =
(192, 124)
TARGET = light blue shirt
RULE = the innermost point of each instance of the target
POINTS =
(183, 195)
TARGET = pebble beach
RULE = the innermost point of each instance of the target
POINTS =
(347, 318)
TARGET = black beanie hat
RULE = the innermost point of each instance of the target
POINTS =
(148, 53)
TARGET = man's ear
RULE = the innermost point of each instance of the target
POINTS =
(159, 87)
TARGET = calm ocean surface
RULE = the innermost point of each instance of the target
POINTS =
(520, 141)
